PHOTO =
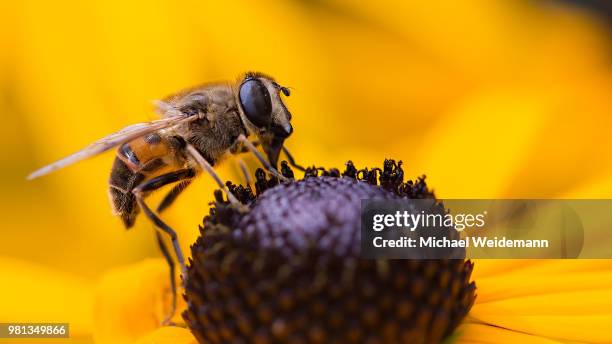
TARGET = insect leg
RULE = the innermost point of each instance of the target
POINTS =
(177, 249)
(245, 171)
(164, 249)
(139, 193)
(261, 159)
(173, 195)
(164, 204)
(209, 169)
(245, 149)
(291, 160)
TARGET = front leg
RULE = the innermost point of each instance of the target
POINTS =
(238, 147)
(291, 160)
(261, 159)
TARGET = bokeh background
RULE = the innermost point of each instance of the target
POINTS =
(489, 99)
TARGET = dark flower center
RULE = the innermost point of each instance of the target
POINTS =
(288, 270)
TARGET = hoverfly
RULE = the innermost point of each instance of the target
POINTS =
(198, 127)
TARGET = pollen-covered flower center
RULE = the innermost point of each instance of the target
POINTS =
(288, 270)
(322, 211)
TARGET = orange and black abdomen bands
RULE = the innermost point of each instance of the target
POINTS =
(122, 181)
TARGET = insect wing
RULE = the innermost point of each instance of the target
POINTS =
(102, 145)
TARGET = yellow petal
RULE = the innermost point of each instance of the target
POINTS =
(583, 329)
(493, 267)
(168, 335)
(513, 285)
(573, 315)
(571, 303)
(132, 301)
(486, 334)
(594, 189)
(33, 293)
(559, 299)
(457, 160)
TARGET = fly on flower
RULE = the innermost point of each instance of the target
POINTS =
(197, 128)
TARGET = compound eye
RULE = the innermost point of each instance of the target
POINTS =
(256, 102)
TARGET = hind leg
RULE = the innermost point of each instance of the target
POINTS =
(163, 205)
(164, 249)
(139, 192)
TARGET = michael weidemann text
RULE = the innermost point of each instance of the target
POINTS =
(467, 242)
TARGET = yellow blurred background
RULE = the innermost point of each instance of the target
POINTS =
(487, 98)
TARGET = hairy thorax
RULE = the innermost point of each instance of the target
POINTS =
(218, 130)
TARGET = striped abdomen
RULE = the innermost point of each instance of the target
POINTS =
(137, 161)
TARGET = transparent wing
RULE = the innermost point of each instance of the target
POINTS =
(102, 145)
